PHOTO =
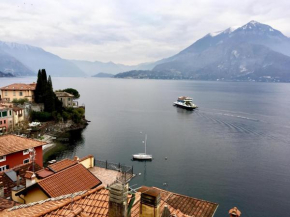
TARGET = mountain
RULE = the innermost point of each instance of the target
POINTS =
(2, 74)
(103, 75)
(254, 51)
(35, 58)
(92, 68)
(9, 64)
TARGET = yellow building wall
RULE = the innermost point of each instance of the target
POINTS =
(14, 94)
(16, 198)
(35, 195)
(88, 163)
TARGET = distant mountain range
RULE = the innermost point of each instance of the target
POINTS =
(103, 75)
(254, 51)
(26, 60)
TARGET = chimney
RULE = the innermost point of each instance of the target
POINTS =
(30, 178)
(118, 200)
(150, 202)
(234, 212)
(76, 158)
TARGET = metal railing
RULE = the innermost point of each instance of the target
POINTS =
(126, 172)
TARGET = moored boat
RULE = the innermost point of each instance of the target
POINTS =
(185, 102)
(143, 156)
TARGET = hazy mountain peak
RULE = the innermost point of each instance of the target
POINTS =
(17, 46)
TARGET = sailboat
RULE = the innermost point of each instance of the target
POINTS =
(143, 156)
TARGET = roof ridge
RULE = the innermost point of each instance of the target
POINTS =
(23, 138)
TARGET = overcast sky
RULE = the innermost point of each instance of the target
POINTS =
(129, 31)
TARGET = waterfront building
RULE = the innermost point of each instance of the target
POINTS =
(6, 119)
(18, 91)
(14, 151)
(66, 99)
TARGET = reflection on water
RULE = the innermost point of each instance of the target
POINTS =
(67, 146)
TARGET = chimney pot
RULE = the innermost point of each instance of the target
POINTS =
(234, 212)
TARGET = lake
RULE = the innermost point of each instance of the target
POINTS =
(233, 150)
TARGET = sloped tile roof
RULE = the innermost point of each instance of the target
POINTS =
(60, 165)
(10, 144)
(5, 204)
(19, 86)
(95, 202)
(63, 94)
(73, 179)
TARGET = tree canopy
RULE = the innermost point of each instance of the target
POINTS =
(73, 92)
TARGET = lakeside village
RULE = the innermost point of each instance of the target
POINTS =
(30, 117)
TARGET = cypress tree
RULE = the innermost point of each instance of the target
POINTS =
(49, 101)
(38, 87)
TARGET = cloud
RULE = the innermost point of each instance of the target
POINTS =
(129, 31)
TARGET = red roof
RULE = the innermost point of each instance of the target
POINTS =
(19, 86)
(60, 165)
(73, 179)
(10, 144)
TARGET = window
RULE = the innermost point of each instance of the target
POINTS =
(2, 168)
(25, 161)
(2, 158)
(4, 114)
(10, 112)
(20, 93)
(68, 99)
(0, 122)
(25, 152)
(4, 121)
(5, 92)
(14, 93)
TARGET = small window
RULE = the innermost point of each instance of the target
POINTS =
(20, 93)
(10, 112)
(25, 161)
(2, 168)
(0, 122)
(14, 93)
(25, 152)
(6, 93)
(68, 99)
(4, 114)
(2, 158)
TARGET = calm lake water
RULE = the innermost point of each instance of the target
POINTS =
(233, 150)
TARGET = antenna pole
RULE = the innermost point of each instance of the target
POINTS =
(145, 142)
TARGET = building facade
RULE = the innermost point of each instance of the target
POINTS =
(65, 98)
(18, 91)
(14, 150)
(6, 119)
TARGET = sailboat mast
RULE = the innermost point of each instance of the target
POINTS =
(145, 142)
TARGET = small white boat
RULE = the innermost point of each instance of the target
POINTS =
(143, 156)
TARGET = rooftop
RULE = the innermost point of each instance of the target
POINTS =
(10, 144)
(5, 204)
(63, 94)
(95, 202)
(73, 179)
(60, 165)
(19, 86)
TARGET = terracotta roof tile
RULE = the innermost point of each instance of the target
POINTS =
(95, 203)
(73, 179)
(58, 166)
(19, 86)
(5, 204)
(10, 144)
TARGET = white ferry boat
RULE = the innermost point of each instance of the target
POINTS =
(143, 156)
(185, 102)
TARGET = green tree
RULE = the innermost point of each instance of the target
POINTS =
(37, 91)
(73, 92)
(49, 101)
